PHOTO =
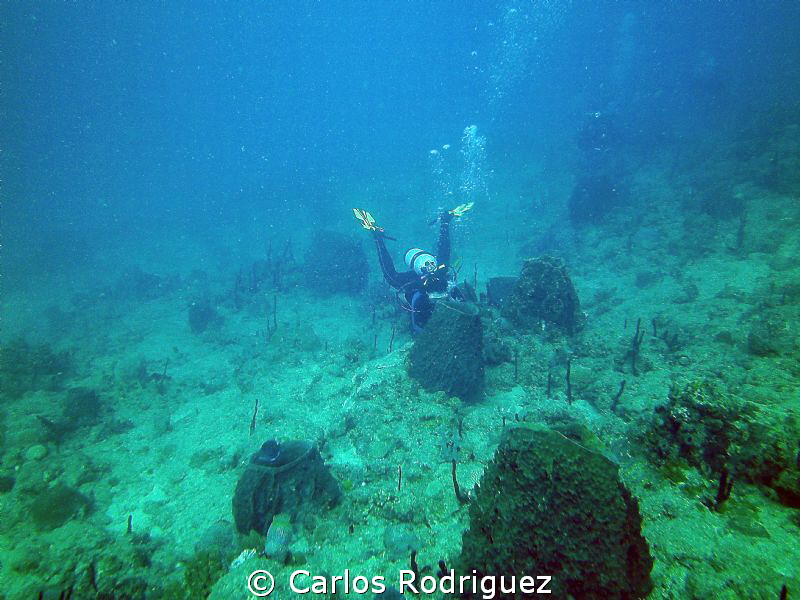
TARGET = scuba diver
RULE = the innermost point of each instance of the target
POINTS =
(429, 278)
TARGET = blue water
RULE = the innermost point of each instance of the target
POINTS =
(131, 118)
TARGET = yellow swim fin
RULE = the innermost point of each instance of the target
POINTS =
(366, 219)
(461, 209)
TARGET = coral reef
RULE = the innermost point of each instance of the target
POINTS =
(718, 433)
(201, 572)
(697, 425)
(80, 407)
(666, 178)
(593, 198)
(26, 367)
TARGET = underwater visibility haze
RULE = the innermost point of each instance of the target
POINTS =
(482, 290)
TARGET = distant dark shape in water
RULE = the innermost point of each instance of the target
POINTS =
(202, 316)
(260, 272)
(335, 263)
(601, 170)
(602, 142)
(7, 483)
(83, 407)
(718, 200)
(707, 80)
(136, 284)
(52, 507)
(593, 198)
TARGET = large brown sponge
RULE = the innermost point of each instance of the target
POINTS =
(544, 293)
(548, 506)
(448, 354)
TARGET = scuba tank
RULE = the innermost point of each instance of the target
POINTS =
(419, 261)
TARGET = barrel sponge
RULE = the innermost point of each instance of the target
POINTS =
(548, 506)
(544, 292)
(448, 354)
(297, 482)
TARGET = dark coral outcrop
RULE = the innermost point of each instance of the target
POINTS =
(703, 426)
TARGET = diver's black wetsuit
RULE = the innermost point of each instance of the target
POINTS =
(412, 285)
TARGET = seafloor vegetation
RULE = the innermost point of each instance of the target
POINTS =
(656, 325)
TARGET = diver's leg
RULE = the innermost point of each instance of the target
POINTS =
(443, 247)
(393, 278)
(421, 310)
